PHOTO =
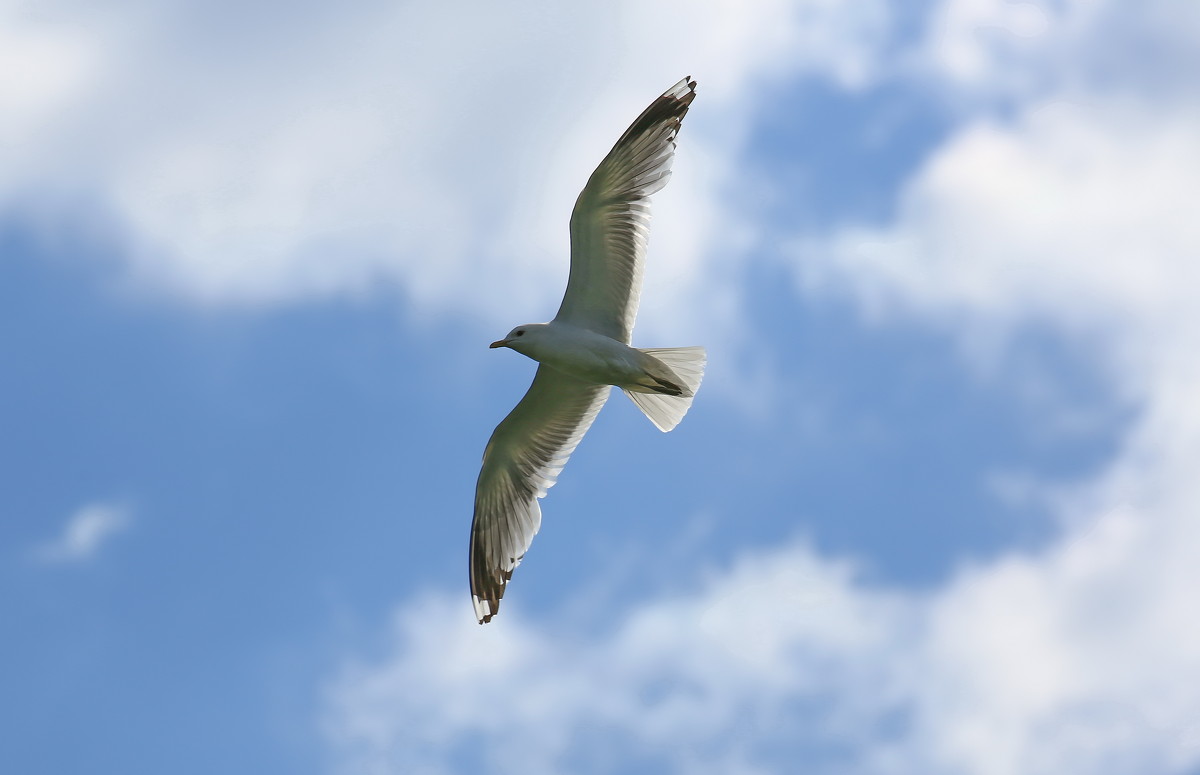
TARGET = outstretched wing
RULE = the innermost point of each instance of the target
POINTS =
(521, 461)
(611, 220)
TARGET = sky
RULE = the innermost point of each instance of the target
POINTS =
(934, 509)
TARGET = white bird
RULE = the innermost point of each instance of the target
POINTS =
(584, 350)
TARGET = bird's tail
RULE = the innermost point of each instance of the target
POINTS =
(673, 394)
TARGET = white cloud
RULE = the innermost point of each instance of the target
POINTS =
(979, 51)
(85, 533)
(1070, 209)
(1069, 214)
(672, 681)
(434, 148)
(1033, 664)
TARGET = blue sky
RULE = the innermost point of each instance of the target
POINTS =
(932, 512)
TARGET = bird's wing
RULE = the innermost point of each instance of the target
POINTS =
(611, 220)
(521, 461)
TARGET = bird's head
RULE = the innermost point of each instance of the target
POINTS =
(521, 337)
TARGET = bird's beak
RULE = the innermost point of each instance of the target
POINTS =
(498, 343)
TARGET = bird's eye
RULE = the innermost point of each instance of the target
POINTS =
(520, 333)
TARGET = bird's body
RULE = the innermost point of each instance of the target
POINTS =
(593, 357)
(583, 351)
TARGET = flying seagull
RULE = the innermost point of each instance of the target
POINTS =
(584, 350)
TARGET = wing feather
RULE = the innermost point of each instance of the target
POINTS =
(521, 462)
(611, 220)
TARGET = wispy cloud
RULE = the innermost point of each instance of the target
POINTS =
(85, 533)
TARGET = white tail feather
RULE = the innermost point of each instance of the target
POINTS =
(687, 364)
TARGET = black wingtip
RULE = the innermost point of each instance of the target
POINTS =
(670, 108)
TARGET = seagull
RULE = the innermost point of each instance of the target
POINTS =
(584, 350)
